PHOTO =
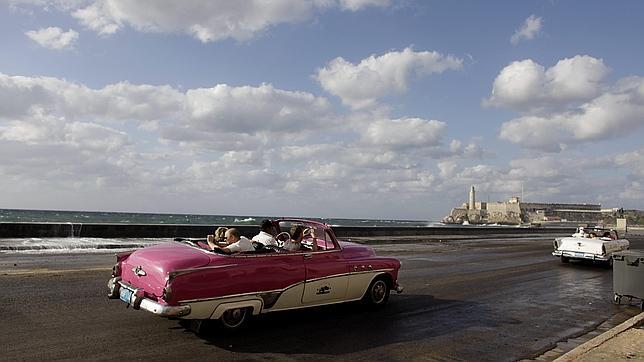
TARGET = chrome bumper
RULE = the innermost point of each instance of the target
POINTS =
(138, 301)
(573, 255)
(398, 288)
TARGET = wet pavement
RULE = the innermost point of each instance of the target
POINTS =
(488, 300)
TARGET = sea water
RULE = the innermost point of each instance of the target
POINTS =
(98, 245)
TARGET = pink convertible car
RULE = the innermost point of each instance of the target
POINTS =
(186, 279)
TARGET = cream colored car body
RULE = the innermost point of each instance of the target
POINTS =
(590, 244)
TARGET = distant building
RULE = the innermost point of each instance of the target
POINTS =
(514, 212)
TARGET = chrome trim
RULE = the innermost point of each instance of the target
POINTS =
(164, 310)
(258, 293)
(113, 287)
(138, 270)
(176, 273)
(571, 255)
(138, 301)
(399, 288)
(312, 305)
(290, 253)
(351, 273)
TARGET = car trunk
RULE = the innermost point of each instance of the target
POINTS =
(581, 245)
(148, 268)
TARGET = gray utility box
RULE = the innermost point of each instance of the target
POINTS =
(628, 275)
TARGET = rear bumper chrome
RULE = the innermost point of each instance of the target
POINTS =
(138, 301)
(579, 255)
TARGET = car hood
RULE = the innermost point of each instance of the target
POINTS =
(356, 250)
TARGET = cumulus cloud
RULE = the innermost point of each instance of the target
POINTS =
(208, 111)
(206, 20)
(126, 139)
(406, 132)
(360, 85)
(529, 30)
(250, 109)
(528, 87)
(614, 114)
(567, 104)
(54, 38)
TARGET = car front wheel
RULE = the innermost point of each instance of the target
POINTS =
(565, 259)
(234, 318)
(378, 292)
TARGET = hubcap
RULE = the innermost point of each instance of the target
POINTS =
(378, 291)
(233, 318)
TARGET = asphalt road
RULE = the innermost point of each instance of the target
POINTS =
(491, 300)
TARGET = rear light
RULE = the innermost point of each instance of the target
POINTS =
(167, 293)
(116, 270)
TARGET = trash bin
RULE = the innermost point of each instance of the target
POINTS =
(628, 275)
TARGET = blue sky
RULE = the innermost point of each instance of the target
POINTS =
(328, 108)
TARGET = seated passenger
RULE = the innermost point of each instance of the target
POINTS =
(236, 243)
(219, 238)
(298, 232)
(266, 233)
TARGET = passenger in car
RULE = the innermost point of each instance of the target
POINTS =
(266, 234)
(219, 237)
(236, 243)
(298, 232)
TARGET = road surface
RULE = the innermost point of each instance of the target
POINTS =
(488, 300)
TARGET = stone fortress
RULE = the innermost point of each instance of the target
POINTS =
(515, 212)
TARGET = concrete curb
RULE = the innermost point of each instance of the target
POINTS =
(585, 348)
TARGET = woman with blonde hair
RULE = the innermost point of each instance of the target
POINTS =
(219, 238)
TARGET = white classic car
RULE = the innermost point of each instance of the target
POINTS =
(596, 244)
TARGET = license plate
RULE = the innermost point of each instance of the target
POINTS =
(579, 254)
(125, 294)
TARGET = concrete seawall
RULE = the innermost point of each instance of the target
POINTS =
(27, 230)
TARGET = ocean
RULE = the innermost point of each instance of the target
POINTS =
(91, 217)
(101, 245)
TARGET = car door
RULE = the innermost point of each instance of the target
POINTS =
(327, 275)
(277, 278)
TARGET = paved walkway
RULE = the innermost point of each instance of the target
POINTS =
(622, 343)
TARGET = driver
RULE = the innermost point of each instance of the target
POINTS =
(236, 243)
(265, 236)
(298, 232)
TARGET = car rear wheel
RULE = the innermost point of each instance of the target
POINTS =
(234, 318)
(565, 259)
(378, 292)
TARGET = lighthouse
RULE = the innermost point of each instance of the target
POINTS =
(472, 204)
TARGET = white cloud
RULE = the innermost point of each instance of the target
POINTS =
(614, 114)
(529, 30)
(206, 20)
(361, 85)
(527, 86)
(355, 5)
(403, 133)
(54, 38)
(251, 109)
(567, 104)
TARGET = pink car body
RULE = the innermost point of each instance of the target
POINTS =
(190, 281)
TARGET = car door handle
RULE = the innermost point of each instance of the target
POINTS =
(307, 256)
